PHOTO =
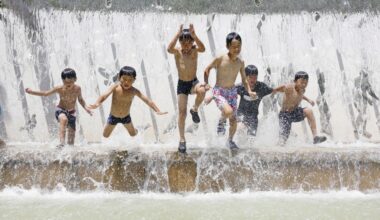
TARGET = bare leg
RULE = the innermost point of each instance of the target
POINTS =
(233, 127)
(200, 96)
(311, 119)
(131, 129)
(108, 130)
(62, 127)
(70, 135)
(182, 108)
(227, 112)
(208, 99)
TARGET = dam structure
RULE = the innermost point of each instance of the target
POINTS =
(334, 42)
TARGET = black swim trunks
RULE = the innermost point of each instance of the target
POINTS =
(70, 114)
(286, 120)
(251, 122)
(184, 87)
(112, 120)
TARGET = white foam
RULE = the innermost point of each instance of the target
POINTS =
(62, 193)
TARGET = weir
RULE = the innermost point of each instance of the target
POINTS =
(202, 170)
(336, 50)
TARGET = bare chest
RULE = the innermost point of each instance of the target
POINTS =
(120, 97)
(68, 96)
(294, 97)
(228, 69)
(187, 61)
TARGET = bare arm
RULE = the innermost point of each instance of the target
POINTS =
(200, 46)
(308, 100)
(149, 102)
(171, 46)
(83, 103)
(103, 97)
(214, 64)
(244, 79)
(245, 82)
(43, 93)
(279, 89)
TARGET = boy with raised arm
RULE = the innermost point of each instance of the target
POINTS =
(68, 93)
(122, 97)
(224, 92)
(186, 59)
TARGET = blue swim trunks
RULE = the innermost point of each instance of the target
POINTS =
(70, 114)
(184, 87)
(112, 120)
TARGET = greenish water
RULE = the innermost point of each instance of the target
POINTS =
(16, 204)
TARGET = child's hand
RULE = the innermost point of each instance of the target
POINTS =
(312, 103)
(88, 110)
(253, 95)
(94, 106)
(180, 29)
(161, 113)
(206, 86)
(28, 90)
(192, 31)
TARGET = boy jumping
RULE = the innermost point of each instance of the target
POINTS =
(224, 92)
(122, 97)
(291, 112)
(68, 93)
(186, 58)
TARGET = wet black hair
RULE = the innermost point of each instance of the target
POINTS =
(232, 36)
(128, 71)
(185, 35)
(68, 73)
(301, 75)
(251, 70)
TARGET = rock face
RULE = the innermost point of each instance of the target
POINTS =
(202, 170)
(182, 173)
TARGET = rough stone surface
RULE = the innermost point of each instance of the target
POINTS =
(202, 170)
(182, 172)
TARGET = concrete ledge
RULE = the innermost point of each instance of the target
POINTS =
(202, 170)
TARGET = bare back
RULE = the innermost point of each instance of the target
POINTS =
(292, 98)
(227, 71)
(186, 64)
(68, 96)
(121, 101)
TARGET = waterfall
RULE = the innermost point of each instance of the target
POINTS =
(332, 48)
